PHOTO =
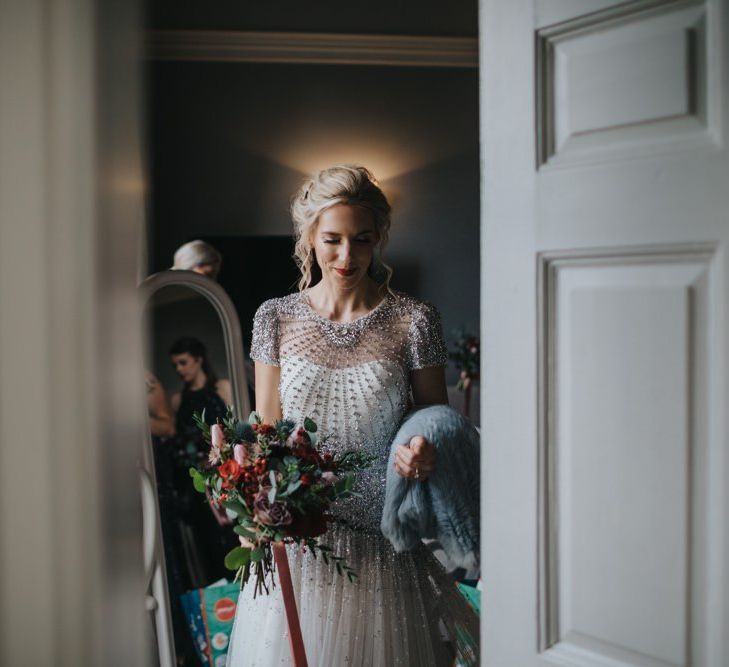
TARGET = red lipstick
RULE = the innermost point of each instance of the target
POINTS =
(346, 272)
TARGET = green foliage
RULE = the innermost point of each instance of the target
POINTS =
(198, 481)
(237, 558)
(243, 432)
(199, 420)
(466, 356)
(235, 506)
(310, 425)
(353, 460)
(244, 532)
(283, 428)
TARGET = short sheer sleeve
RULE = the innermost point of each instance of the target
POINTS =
(264, 346)
(426, 346)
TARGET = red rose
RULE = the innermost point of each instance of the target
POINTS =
(266, 429)
(306, 479)
(301, 437)
(231, 472)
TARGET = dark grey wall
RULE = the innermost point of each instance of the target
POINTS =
(192, 315)
(403, 17)
(230, 143)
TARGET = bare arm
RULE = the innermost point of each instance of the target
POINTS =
(224, 391)
(160, 416)
(175, 401)
(268, 401)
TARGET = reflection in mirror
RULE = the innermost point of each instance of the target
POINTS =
(193, 368)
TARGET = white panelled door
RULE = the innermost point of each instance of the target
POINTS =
(605, 332)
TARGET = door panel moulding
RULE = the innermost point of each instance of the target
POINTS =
(631, 80)
(690, 269)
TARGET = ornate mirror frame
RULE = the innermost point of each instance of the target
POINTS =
(157, 598)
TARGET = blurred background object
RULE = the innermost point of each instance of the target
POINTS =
(71, 392)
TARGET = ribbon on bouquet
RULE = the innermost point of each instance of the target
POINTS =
(296, 641)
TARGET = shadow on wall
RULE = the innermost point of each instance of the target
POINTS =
(230, 197)
(434, 244)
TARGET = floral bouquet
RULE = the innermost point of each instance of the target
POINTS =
(279, 485)
(466, 357)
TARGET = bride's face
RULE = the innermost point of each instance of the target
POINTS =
(344, 241)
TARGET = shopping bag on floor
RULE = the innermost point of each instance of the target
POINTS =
(210, 612)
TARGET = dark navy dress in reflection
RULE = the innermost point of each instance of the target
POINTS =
(195, 545)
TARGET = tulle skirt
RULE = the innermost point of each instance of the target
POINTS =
(398, 612)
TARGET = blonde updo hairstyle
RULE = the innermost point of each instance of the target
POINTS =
(342, 184)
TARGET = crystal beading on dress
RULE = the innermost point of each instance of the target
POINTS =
(354, 379)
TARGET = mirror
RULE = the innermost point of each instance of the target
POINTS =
(194, 364)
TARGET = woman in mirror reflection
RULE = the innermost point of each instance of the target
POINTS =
(196, 535)
(201, 387)
(355, 356)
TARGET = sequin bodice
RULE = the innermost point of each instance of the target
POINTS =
(352, 378)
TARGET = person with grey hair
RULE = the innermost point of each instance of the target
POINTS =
(353, 355)
(199, 257)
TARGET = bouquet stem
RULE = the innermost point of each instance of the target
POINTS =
(296, 641)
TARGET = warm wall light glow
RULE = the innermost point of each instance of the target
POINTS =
(384, 165)
(387, 149)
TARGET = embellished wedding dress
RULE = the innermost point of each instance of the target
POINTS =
(353, 380)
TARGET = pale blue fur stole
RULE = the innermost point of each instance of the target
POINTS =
(446, 506)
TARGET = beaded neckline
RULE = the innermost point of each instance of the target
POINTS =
(357, 322)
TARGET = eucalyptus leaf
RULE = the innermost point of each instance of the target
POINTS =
(293, 486)
(237, 558)
(244, 532)
(272, 495)
(235, 506)
(198, 481)
(310, 425)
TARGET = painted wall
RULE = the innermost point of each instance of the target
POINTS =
(398, 17)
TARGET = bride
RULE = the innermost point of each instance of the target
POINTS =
(354, 356)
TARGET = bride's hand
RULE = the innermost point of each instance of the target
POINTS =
(415, 460)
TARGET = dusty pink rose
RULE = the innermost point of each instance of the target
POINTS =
(270, 514)
(217, 436)
(217, 440)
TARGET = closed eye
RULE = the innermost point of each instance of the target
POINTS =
(365, 239)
